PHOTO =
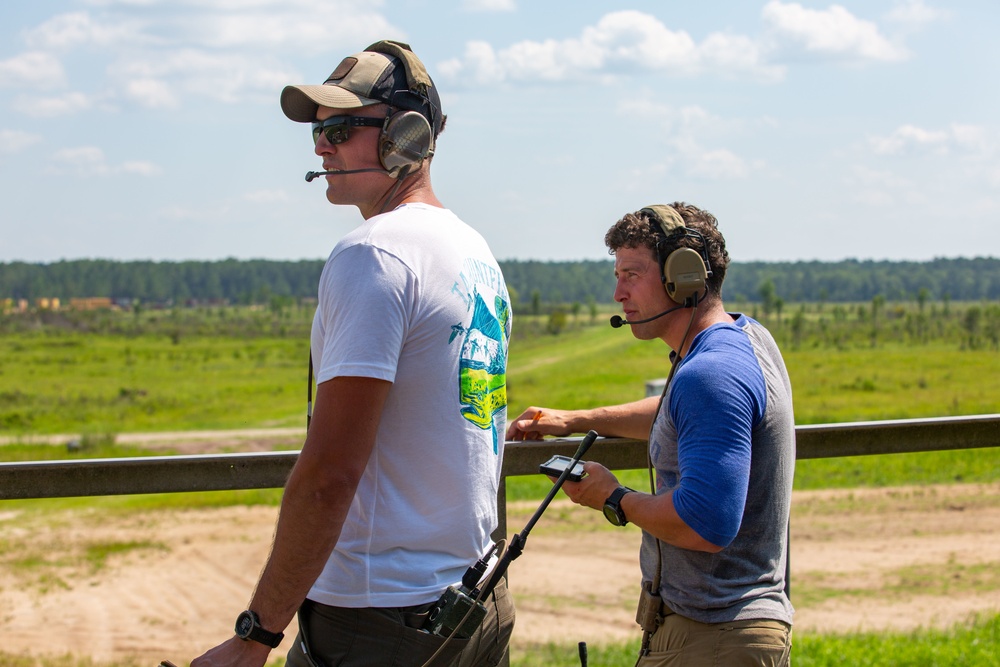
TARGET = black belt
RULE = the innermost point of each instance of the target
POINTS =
(416, 616)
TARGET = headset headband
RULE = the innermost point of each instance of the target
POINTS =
(666, 217)
(417, 77)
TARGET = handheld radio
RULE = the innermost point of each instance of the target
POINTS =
(460, 610)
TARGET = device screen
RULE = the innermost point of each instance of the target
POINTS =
(555, 466)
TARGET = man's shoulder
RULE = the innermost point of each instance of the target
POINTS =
(725, 338)
(397, 227)
(725, 356)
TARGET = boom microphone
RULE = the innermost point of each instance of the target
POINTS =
(617, 322)
(310, 175)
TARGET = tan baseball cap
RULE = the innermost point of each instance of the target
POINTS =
(373, 76)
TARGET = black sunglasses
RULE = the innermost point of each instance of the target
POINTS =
(338, 128)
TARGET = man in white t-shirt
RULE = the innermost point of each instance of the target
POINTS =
(393, 497)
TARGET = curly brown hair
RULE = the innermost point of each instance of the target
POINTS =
(638, 230)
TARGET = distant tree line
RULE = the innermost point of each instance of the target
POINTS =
(232, 280)
(531, 282)
(853, 280)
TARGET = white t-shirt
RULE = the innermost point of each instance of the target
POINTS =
(415, 297)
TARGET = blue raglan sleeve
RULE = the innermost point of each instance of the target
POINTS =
(715, 402)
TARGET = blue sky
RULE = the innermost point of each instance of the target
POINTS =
(150, 129)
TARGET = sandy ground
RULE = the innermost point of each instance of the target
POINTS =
(169, 584)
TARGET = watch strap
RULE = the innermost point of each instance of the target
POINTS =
(255, 631)
(616, 496)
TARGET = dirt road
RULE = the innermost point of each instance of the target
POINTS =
(170, 583)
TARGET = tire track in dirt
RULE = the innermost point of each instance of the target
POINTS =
(178, 592)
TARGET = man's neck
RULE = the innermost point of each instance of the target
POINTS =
(415, 189)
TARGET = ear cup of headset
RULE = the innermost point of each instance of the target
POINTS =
(406, 140)
(684, 274)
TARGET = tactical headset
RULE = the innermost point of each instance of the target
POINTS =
(407, 136)
(684, 271)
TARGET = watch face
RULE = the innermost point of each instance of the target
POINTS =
(611, 515)
(244, 624)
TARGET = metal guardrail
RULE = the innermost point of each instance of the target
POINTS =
(220, 472)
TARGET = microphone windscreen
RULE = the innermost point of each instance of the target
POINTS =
(617, 321)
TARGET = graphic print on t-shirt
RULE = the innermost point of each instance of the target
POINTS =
(482, 371)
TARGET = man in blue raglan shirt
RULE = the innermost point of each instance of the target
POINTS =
(722, 442)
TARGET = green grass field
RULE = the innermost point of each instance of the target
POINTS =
(96, 385)
(972, 644)
(85, 383)
(894, 380)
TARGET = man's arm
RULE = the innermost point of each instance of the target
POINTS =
(658, 517)
(628, 420)
(314, 506)
(654, 514)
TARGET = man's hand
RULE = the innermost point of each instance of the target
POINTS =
(594, 489)
(628, 420)
(234, 652)
(534, 423)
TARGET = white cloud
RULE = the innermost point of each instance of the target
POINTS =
(630, 41)
(289, 24)
(49, 107)
(489, 5)
(91, 161)
(68, 31)
(140, 168)
(833, 32)
(295, 25)
(480, 65)
(972, 138)
(81, 160)
(228, 50)
(718, 164)
(33, 69)
(683, 131)
(230, 78)
(914, 13)
(862, 175)
(910, 139)
(634, 38)
(907, 137)
(736, 53)
(151, 93)
(299, 27)
(15, 141)
(623, 41)
(686, 120)
(122, 3)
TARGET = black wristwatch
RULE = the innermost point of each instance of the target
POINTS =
(248, 627)
(613, 511)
